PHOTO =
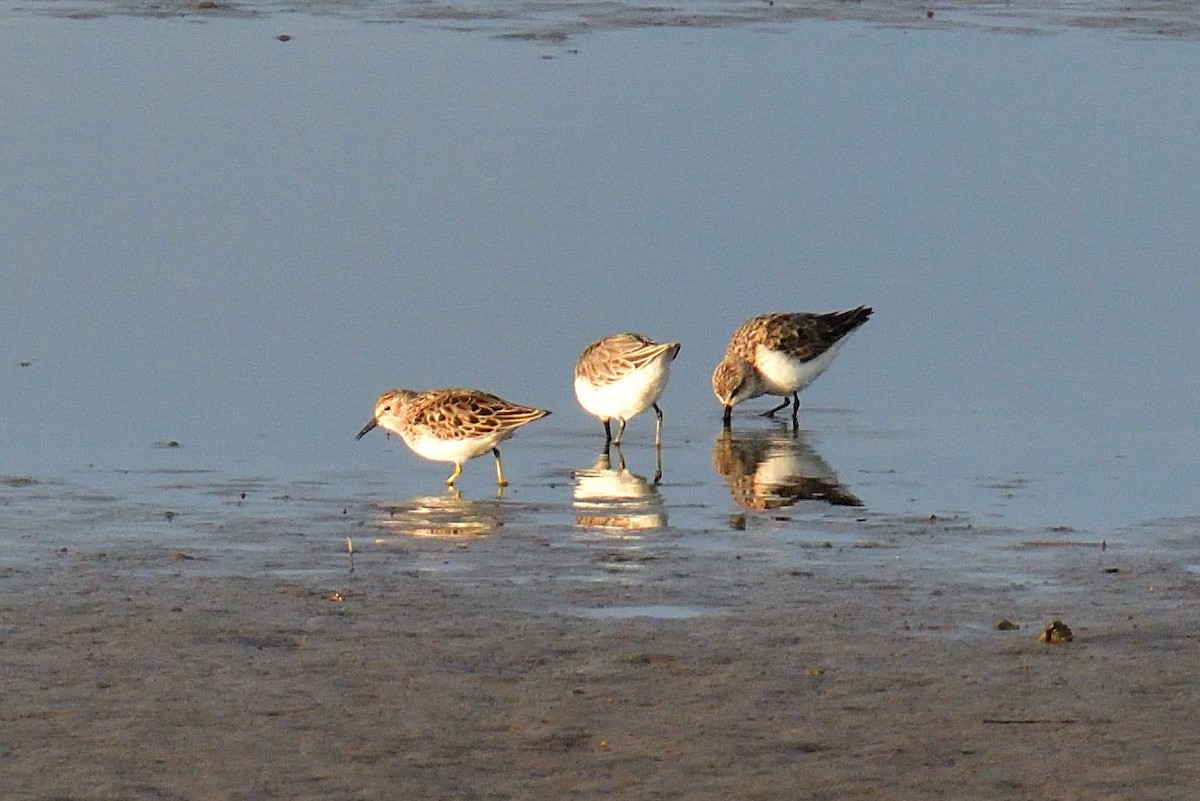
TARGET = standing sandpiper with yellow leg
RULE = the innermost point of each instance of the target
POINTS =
(451, 425)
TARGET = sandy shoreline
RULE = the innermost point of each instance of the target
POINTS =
(515, 666)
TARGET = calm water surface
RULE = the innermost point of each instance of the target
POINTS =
(214, 238)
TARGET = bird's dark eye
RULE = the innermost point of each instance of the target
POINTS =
(387, 408)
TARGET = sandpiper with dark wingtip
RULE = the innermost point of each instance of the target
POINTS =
(781, 354)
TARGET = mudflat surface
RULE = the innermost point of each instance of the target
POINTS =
(787, 656)
(559, 21)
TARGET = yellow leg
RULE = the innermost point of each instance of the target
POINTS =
(500, 482)
(454, 476)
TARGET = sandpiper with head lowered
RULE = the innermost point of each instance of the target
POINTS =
(451, 425)
(781, 354)
(621, 376)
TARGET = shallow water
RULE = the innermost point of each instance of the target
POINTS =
(217, 239)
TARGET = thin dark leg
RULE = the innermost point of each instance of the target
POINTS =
(728, 416)
(620, 431)
(783, 405)
(607, 434)
(795, 408)
(620, 458)
(657, 425)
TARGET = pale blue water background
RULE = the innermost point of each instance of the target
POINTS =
(213, 237)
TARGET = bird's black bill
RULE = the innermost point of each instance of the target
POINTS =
(367, 428)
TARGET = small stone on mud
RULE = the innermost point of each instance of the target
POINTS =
(283, 37)
(1056, 632)
(1008, 625)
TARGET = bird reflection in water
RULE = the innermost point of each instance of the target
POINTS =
(446, 515)
(776, 468)
(617, 500)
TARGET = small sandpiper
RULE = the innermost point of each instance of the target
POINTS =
(781, 354)
(451, 425)
(621, 376)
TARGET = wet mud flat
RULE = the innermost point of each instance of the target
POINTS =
(558, 22)
(247, 655)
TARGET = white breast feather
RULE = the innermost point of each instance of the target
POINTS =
(627, 396)
(784, 374)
